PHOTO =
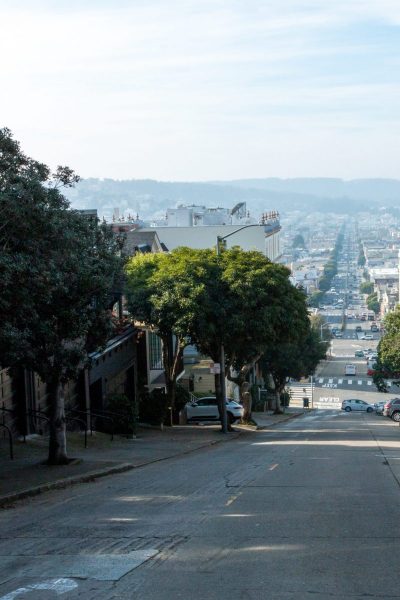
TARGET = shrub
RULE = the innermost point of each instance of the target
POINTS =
(153, 407)
(123, 417)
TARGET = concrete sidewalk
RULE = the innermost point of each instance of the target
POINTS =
(28, 475)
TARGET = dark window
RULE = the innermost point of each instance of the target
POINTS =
(207, 401)
(155, 353)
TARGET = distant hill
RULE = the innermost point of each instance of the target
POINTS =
(149, 197)
(379, 190)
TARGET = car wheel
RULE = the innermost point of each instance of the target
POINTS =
(369, 409)
(396, 416)
(347, 409)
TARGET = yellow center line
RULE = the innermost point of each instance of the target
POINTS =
(274, 467)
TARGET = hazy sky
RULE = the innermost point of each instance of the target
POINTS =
(206, 89)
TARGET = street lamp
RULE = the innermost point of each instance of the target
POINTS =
(224, 420)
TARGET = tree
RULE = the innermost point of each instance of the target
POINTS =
(168, 292)
(315, 299)
(324, 283)
(373, 303)
(388, 363)
(330, 269)
(256, 306)
(295, 358)
(59, 270)
(361, 258)
(298, 241)
(207, 300)
(367, 287)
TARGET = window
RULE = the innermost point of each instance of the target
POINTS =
(155, 353)
(206, 402)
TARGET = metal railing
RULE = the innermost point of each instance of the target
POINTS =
(90, 414)
(110, 417)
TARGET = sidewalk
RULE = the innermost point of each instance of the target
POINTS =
(27, 475)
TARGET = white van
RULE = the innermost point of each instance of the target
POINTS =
(350, 369)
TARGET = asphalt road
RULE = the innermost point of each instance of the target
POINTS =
(304, 511)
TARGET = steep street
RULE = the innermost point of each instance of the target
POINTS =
(307, 510)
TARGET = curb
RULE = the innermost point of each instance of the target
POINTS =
(9, 499)
(289, 417)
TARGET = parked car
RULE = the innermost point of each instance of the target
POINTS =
(379, 406)
(392, 409)
(356, 405)
(338, 334)
(350, 369)
(359, 328)
(359, 354)
(206, 409)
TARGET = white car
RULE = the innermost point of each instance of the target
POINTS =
(206, 409)
(356, 405)
(368, 336)
(350, 369)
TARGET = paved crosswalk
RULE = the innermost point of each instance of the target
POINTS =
(344, 381)
(332, 382)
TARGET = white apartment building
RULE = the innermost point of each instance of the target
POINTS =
(198, 227)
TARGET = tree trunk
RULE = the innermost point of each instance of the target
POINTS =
(171, 394)
(218, 395)
(58, 438)
(246, 398)
(171, 358)
(278, 391)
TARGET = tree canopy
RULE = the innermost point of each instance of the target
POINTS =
(367, 287)
(298, 241)
(388, 363)
(294, 358)
(238, 299)
(58, 270)
(169, 293)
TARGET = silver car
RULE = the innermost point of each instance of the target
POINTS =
(356, 405)
(379, 406)
(206, 409)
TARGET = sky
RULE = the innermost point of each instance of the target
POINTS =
(186, 90)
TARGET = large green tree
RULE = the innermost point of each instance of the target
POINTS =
(253, 305)
(239, 300)
(58, 271)
(168, 293)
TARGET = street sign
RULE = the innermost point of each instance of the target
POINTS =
(215, 368)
